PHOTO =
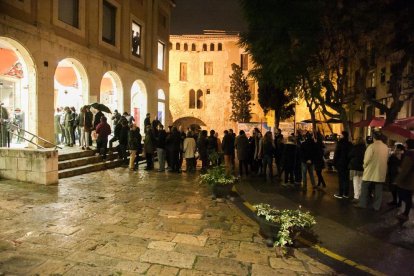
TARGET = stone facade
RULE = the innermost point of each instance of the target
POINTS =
(202, 63)
(28, 165)
(35, 31)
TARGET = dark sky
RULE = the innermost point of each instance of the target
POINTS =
(194, 16)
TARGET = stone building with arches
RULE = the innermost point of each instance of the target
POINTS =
(57, 53)
(200, 66)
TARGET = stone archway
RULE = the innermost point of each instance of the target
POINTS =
(18, 79)
(111, 91)
(189, 122)
(139, 102)
(71, 84)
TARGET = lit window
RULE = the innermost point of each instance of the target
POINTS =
(183, 71)
(68, 12)
(244, 62)
(161, 55)
(109, 23)
(136, 39)
(208, 68)
(191, 103)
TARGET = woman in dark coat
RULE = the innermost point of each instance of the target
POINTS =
(289, 159)
(134, 146)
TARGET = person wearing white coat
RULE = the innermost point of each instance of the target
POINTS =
(375, 171)
(189, 149)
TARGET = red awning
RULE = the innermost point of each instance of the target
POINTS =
(406, 122)
(396, 131)
(374, 122)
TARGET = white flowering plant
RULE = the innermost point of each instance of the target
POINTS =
(290, 221)
(217, 176)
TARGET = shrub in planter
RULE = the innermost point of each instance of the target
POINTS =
(282, 226)
(220, 182)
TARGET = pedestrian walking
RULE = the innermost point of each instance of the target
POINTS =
(341, 162)
(375, 171)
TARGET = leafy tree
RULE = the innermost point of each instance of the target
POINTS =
(240, 96)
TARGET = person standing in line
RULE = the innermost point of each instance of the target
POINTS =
(219, 149)
(233, 157)
(356, 166)
(116, 117)
(258, 154)
(290, 152)
(202, 150)
(87, 128)
(319, 161)
(63, 139)
(149, 146)
(189, 149)
(405, 181)
(117, 132)
(228, 151)
(134, 146)
(75, 130)
(375, 171)
(68, 127)
(56, 125)
(394, 162)
(103, 130)
(147, 120)
(123, 140)
(307, 155)
(242, 147)
(341, 161)
(212, 147)
(279, 152)
(267, 147)
(161, 141)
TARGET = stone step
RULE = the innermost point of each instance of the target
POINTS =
(100, 166)
(75, 155)
(82, 161)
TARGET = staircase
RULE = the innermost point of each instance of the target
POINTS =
(81, 162)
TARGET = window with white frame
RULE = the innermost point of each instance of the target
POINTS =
(136, 39)
(161, 56)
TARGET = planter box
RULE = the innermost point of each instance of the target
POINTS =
(222, 190)
(268, 230)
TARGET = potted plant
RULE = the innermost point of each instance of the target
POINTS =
(282, 227)
(220, 182)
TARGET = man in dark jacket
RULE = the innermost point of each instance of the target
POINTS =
(242, 146)
(123, 139)
(228, 151)
(202, 150)
(341, 162)
(307, 155)
(174, 141)
(212, 146)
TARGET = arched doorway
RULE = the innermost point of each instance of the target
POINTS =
(71, 84)
(189, 123)
(139, 103)
(161, 106)
(111, 91)
(18, 87)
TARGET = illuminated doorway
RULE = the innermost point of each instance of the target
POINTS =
(17, 90)
(139, 103)
(71, 85)
(161, 106)
(111, 92)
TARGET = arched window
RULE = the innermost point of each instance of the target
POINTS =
(193, 47)
(220, 47)
(170, 46)
(191, 98)
(199, 99)
(212, 47)
(185, 47)
(177, 46)
(204, 47)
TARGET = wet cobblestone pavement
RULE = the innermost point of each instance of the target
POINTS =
(120, 223)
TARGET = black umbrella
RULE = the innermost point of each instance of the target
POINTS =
(101, 107)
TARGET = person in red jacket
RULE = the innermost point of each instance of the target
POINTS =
(103, 130)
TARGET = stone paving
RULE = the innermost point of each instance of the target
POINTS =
(120, 223)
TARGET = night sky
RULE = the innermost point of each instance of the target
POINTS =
(194, 16)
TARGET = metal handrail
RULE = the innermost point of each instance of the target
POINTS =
(11, 128)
